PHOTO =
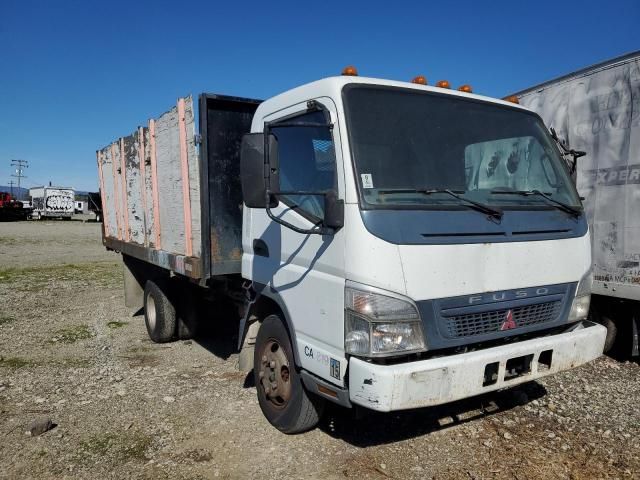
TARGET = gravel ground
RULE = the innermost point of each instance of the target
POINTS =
(124, 407)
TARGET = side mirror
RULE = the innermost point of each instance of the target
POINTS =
(255, 175)
(333, 211)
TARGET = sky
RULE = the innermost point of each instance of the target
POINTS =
(75, 75)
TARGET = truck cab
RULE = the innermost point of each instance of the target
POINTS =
(422, 245)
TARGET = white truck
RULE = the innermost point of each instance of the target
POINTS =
(596, 110)
(52, 202)
(390, 245)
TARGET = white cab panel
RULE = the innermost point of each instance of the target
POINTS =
(439, 271)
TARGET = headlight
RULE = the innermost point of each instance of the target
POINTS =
(380, 325)
(580, 305)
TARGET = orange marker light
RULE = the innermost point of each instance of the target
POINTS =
(350, 71)
(443, 84)
(512, 99)
(465, 89)
(420, 80)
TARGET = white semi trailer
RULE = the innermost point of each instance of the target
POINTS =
(390, 245)
(597, 110)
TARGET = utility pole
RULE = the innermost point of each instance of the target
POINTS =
(11, 184)
(19, 165)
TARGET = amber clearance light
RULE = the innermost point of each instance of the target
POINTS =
(443, 84)
(512, 99)
(465, 89)
(420, 80)
(350, 71)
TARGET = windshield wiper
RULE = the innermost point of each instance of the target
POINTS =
(480, 207)
(556, 203)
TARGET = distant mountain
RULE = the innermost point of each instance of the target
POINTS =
(23, 193)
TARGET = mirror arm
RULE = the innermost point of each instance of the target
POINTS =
(576, 154)
(305, 231)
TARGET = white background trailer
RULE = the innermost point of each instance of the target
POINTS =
(597, 110)
(55, 202)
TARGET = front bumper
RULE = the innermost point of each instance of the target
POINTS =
(446, 379)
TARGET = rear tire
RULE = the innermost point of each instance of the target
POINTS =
(159, 313)
(288, 406)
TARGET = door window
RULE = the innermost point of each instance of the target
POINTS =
(307, 163)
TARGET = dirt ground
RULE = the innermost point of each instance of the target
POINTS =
(124, 407)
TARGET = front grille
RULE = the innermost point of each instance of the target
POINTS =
(471, 324)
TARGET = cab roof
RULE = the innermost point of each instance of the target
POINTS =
(332, 87)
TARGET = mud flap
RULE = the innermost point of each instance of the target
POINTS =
(133, 289)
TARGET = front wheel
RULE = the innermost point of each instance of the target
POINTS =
(282, 397)
(612, 329)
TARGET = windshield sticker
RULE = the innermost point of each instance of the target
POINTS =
(367, 180)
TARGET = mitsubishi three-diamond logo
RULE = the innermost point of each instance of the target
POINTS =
(509, 322)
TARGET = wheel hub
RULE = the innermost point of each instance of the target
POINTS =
(151, 312)
(275, 374)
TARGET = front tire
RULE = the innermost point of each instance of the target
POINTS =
(612, 329)
(282, 397)
(159, 313)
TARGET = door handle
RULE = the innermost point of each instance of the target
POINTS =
(260, 248)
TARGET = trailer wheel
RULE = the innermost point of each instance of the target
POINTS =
(282, 397)
(159, 313)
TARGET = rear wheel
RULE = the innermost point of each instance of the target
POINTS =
(282, 397)
(159, 313)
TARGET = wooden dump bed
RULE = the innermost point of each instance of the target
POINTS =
(163, 203)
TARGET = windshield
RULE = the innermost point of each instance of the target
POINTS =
(404, 142)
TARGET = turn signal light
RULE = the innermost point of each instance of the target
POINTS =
(443, 84)
(420, 80)
(512, 99)
(465, 89)
(350, 71)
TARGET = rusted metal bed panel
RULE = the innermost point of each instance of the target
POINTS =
(187, 266)
(223, 121)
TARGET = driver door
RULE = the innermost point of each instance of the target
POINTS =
(304, 272)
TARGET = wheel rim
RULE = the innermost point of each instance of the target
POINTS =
(151, 312)
(275, 374)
